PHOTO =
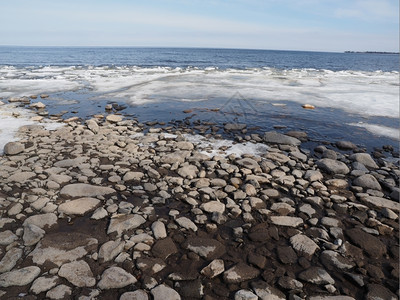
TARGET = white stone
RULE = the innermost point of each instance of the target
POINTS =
(32, 234)
(109, 250)
(122, 223)
(186, 223)
(245, 295)
(159, 230)
(79, 206)
(214, 268)
(286, 221)
(7, 237)
(164, 292)
(213, 206)
(59, 292)
(78, 273)
(19, 277)
(115, 277)
(43, 284)
(10, 259)
(303, 244)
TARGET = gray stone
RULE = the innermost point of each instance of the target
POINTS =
(110, 250)
(189, 171)
(245, 295)
(332, 166)
(331, 298)
(164, 292)
(79, 206)
(379, 292)
(78, 273)
(151, 265)
(13, 148)
(316, 275)
(164, 248)
(61, 291)
(249, 164)
(289, 283)
(365, 159)
(19, 277)
(42, 221)
(186, 223)
(278, 138)
(345, 145)
(234, 126)
(239, 273)
(136, 295)
(133, 176)
(159, 230)
(123, 223)
(21, 177)
(286, 221)
(303, 244)
(71, 162)
(205, 247)
(59, 248)
(114, 118)
(367, 181)
(43, 284)
(266, 291)
(331, 260)
(114, 278)
(371, 244)
(32, 234)
(77, 190)
(381, 202)
(99, 213)
(10, 259)
(312, 175)
(7, 237)
(214, 268)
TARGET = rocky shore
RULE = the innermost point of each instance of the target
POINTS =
(110, 208)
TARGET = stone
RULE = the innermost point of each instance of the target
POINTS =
(133, 176)
(214, 268)
(282, 208)
(42, 221)
(278, 138)
(77, 190)
(164, 248)
(159, 230)
(32, 234)
(71, 162)
(10, 259)
(110, 250)
(183, 145)
(60, 292)
(114, 278)
(240, 272)
(114, 118)
(371, 244)
(59, 248)
(381, 202)
(234, 126)
(92, 125)
(7, 237)
(79, 206)
(367, 181)
(365, 159)
(303, 244)
(43, 284)
(286, 221)
(316, 275)
(136, 295)
(150, 265)
(213, 206)
(249, 164)
(345, 145)
(122, 223)
(267, 292)
(189, 171)
(379, 292)
(332, 166)
(287, 255)
(164, 292)
(245, 295)
(21, 177)
(13, 148)
(186, 223)
(333, 260)
(337, 183)
(312, 175)
(78, 273)
(19, 277)
(99, 214)
(190, 289)
(289, 283)
(205, 247)
(331, 298)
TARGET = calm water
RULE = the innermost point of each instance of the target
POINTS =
(195, 57)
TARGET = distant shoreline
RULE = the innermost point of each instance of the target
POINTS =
(372, 52)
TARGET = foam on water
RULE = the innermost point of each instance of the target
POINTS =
(380, 130)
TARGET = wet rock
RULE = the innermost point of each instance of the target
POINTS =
(278, 138)
(114, 118)
(332, 166)
(123, 223)
(206, 248)
(289, 283)
(371, 244)
(60, 248)
(76, 190)
(239, 273)
(162, 292)
(303, 244)
(19, 277)
(317, 276)
(331, 260)
(345, 145)
(286, 221)
(381, 202)
(43, 284)
(367, 181)
(164, 248)
(365, 159)
(234, 126)
(13, 148)
(287, 255)
(114, 278)
(10, 259)
(213, 269)
(379, 292)
(79, 206)
(192, 289)
(78, 273)
(266, 292)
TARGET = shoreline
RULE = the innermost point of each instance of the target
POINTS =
(112, 208)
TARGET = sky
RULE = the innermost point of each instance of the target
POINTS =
(314, 25)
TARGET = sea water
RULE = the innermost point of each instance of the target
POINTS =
(356, 95)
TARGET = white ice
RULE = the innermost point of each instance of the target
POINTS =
(393, 133)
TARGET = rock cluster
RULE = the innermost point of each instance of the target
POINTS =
(114, 210)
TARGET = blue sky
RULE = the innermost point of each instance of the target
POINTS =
(318, 25)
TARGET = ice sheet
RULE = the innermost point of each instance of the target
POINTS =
(393, 133)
